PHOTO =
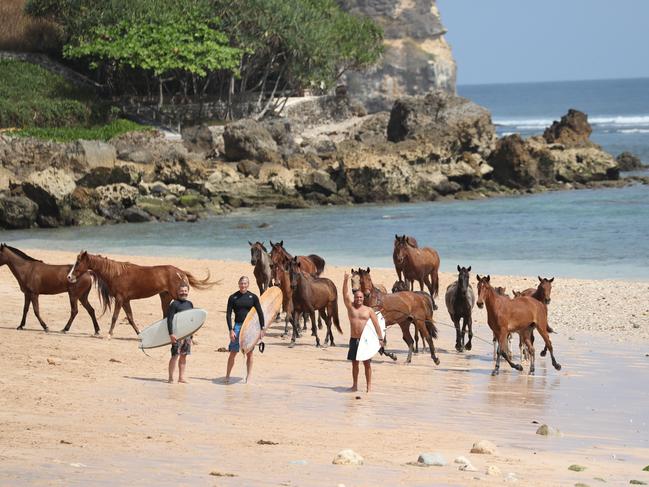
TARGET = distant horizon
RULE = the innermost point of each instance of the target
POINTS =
(634, 78)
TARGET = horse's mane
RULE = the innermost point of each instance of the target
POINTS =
(20, 253)
(110, 268)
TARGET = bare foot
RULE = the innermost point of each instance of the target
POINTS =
(226, 380)
(182, 381)
(353, 389)
(170, 381)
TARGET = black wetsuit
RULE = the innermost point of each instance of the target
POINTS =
(241, 304)
(175, 307)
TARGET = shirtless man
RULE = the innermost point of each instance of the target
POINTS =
(358, 315)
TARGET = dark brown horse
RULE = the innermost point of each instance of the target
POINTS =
(35, 277)
(418, 264)
(398, 266)
(312, 264)
(459, 302)
(520, 315)
(311, 294)
(260, 258)
(282, 279)
(403, 308)
(122, 281)
(540, 293)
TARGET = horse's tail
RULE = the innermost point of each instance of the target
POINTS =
(435, 283)
(105, 298)
(319, 263)
(200, 283)
(432, 329)
(336, 319)
(550, 330)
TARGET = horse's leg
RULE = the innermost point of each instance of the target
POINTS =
(37, 312)
(407, 337)
(469, 320)
(25, 310)
(545, 349)
(165, 301)
(459, 334)
(117, 307)
(426, 336)
(320, 321)
(495, 342)
(429, 285)
(296, 325)
(91, 311)
(543, 331)
(74, 310)
(328, 316)
(129, 316)
(525, 337)
(314, 327)
(502, 342)
(416, 339)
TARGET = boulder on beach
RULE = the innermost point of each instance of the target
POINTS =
(347, 457)
(484, 447)
(627, 161)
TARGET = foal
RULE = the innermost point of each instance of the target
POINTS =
(459, 302)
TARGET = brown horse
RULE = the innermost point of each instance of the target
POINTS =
(398, 266)
(260, 258)
(421, 265)
(540, 293)
(35, 277)
(520, 315)
(312, 264)
(282, 279)
(122, 281)
(403, 308)
(311, 294)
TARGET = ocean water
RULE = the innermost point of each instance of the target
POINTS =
(618, 110)
(595, 233)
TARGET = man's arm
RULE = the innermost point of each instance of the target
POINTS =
(171, 312)
(260, 312)
(346, 296)
(377, 327)
(228, 313)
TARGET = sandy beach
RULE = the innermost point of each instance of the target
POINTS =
(80, 410)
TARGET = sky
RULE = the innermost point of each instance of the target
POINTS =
(504, 41)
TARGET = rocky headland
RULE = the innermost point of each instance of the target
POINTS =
(322, 150)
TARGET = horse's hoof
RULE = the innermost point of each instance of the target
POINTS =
(531, 372)
(495, 372)
(544, 353)
(64, 330)
(320, 326)
(20, 327)
(467, 346)
(97, 333)
(46, 329)
(557, 366)
(518, 367)
(435, 308)
(458, 348)
(436, 360)
(292, 344)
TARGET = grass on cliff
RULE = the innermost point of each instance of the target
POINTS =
(38, 103)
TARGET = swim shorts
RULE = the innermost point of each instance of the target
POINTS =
(182, 347)
(234, 345)
(353, 348)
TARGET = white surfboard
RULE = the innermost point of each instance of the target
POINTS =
(271, 302)
(369, 344)
(185, 323)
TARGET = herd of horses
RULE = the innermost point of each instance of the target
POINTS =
(307, 293)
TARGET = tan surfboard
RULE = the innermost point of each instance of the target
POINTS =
(271, 302)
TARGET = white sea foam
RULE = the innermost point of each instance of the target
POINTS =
(604, 120)
(634, 131)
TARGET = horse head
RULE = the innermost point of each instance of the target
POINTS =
(80, 266)
(463, 278)
(502, 290)
(400, 248)
(3, 257)
(545, 287)
(517, 294)
(399, 286)
(294, 270)
(483, 287)
(255, 252)
(366, 285)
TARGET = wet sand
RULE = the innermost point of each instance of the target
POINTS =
(103, 413)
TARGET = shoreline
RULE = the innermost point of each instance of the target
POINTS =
(83, 410)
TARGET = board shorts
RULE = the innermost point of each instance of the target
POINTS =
(234, 345)
(182, 347)
(353, 348)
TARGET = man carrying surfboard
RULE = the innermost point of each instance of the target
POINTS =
(241, 302)
(179, 348)
(359, 314)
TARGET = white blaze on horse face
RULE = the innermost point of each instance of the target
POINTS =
(71, 277)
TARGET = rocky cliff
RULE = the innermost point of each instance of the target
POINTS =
(417, 58)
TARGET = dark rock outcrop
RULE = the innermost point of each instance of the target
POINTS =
(248, 139)
(17, 212)
(628, 162)
(517, 165)
(572, 131)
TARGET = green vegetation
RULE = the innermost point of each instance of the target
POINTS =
(68, 134)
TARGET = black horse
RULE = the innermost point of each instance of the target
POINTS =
(459, 302)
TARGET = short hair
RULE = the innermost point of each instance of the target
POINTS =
(358, 291)
(182, 285)
(244, 278)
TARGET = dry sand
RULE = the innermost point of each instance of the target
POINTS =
(78, 410)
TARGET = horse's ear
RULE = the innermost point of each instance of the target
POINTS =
(458, 267)
(488, 278)
(469, 269)
(396, 237)
(540, 280)
(281, 243)
(271, 243)
(250, 243)
(285, 267)
(551, 280)
(477, 276)
(368, 270)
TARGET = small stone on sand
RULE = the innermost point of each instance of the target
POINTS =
(347, 457)
(545, 430)
(637, 482)
(65, 442)
(115, 361)
(576, 468)
(462, 460)
(267, 442)
(53, 361)
(493, 470)
(216, 473)
(432, 459)
(484, 447)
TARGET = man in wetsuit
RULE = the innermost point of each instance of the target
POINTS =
(179, 348)
(241, 302)
(358, 315)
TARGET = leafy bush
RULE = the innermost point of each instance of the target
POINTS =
(67, 134)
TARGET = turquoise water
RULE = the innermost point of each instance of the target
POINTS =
(601, 233)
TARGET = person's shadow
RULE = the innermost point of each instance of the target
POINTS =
(220, 380)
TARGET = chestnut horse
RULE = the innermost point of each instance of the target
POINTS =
(402, 308)
(421, 265)
(311, 294)
(35, 277)
(398, 266)
(520, 315)
(459, 303)
(312, 264)
(541, 293)
(122, 281)
(260, 258)
(282, 279)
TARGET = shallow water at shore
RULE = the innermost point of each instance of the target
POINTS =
(599, 233)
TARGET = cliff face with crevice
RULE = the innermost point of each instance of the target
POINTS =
(417, 58)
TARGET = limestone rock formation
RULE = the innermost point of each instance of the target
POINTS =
(572, 130)
(248, 139)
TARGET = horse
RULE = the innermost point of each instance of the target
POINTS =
(260, 258)
(519, 315)
(459, 302)
(311, 294)
(35, 277)
(398, 287)
(312, 264)
(418, 264)
(541, 293)
(283, 281)
(120, 282)
(398, 266)
(402, 308)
